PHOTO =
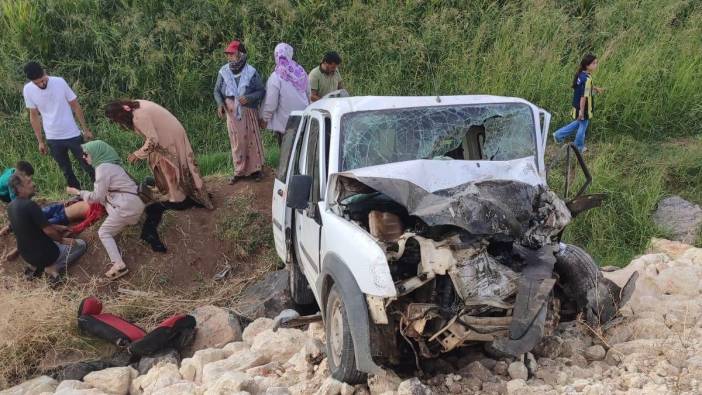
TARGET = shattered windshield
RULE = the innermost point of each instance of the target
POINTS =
(498, 132)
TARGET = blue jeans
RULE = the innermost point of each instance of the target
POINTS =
(567, 130)
(70, 254)
(55, 213)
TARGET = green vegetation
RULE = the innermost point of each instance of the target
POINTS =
(636, 176)
(169, 52)
(243, 227)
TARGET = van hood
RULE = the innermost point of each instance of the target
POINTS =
(508, 200)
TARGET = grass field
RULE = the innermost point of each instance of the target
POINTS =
(169, 52)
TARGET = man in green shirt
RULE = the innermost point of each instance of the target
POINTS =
(325, 78)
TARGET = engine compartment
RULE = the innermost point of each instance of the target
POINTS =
(454, 286)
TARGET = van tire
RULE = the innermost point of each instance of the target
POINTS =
(299, 287)
(340, 349)
(584, 287)
(300, 290)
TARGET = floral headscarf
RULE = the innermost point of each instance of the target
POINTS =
(288, 69)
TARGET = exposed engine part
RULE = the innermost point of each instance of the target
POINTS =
(472, 263)
(468, 328)
(385, 226)
(482, 276)
(376, 308)
(551, 215)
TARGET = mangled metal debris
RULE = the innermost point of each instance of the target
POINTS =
(473, 262)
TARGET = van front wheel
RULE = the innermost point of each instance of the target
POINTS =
(340, 350)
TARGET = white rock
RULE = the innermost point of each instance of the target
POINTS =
(681, 280)
(383, 383)
(595, 353)
(692, 255)
(516, 386)
(229, 383)
(215, 328)
(235, 348)
(33, 386)
(347, 389)
(262, 384)
(517, 370)
(160, 376)
(271, 369)
(181, 388)
(695, 362)
(191, 368)
(72, 385)
(88, 391)
(673, 249)
(316, 331)
(237, 362)
(113, 381)
(330, 387)
(253, 329)
(277, 391)
(279, 345)
(413, 387)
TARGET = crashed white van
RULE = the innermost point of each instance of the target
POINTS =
(422, 224)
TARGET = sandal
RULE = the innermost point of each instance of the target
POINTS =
(115, 274)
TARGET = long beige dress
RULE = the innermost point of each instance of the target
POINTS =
(247, 151)
(169, 154)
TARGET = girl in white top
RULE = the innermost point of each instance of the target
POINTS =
(287, 90)
(118, 192)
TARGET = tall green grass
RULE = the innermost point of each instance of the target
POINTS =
(169, 52)
(635, 175)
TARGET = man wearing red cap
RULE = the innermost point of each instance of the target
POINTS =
(238, 93)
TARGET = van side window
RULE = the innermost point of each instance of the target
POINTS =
(295, 162)
(313, 158)
(287, 146)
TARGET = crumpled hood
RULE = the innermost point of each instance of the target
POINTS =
(434, 175)
(484, 198)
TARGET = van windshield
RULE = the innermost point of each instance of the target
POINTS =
(500, 132)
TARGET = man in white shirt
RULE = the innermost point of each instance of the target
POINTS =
(51, 104)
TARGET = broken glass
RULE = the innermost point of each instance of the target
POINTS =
(499, 132)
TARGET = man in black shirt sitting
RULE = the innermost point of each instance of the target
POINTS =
(41, 244)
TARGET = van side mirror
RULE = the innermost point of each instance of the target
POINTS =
(299, 192)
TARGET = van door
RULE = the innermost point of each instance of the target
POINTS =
(281, 215)
(308, 222)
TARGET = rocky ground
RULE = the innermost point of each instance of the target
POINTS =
(655, 348)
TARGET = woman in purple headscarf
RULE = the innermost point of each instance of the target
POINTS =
(287, 90)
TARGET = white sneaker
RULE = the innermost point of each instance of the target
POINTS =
(584, 150)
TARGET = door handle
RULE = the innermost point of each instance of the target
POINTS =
(280, 192)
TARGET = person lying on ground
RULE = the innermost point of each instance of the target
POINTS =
(168, 153)
(43, 246)
(118, 192)
(6, 193)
